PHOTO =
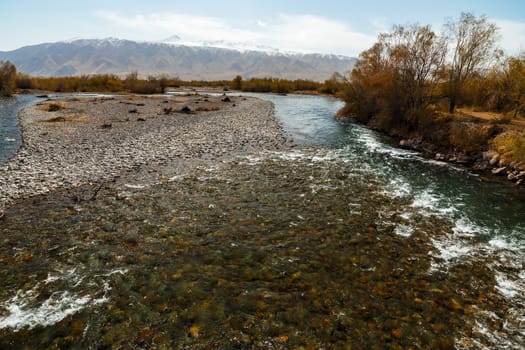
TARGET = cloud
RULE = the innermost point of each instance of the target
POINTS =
(512, 36)
(316, 34)
(186, 26)
(303, 33)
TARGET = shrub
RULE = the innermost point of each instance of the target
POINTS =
(511, 145)
(468, 137)
(54, 106)
(24, 81)
(236, 83)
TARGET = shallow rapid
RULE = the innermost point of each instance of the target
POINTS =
(344, 241)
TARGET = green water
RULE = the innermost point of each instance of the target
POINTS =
(344, 242)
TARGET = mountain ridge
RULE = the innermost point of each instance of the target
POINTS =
(206, 62)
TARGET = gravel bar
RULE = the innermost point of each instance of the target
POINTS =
(73, 142)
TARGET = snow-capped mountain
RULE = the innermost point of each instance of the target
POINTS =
(224, 44)
(214, 60)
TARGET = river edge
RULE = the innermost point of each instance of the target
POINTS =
(71, 142)
(487, 163)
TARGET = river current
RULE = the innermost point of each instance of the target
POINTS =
(10, 138)
(345, 241)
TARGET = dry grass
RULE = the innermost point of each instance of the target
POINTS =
(468, 137)
(511, 145)
(53, 106)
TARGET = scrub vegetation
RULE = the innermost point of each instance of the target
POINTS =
(416, 84)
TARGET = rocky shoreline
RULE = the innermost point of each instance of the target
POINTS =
(481, 158)
(72, 142)
(487, 163)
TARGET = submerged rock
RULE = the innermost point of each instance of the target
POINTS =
(499, 171)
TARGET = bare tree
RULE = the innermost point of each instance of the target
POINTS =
(416, 53)
(474, 41)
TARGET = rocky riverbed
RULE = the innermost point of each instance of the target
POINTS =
(489, 163)
(71, 142)
(187, 222)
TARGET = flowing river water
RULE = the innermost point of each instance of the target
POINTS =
(343, 242)
(10, 138)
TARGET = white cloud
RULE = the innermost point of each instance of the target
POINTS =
(186, 26)
(304, 33)
(317, 34)
(512, 36)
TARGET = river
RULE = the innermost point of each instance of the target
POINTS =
(10, 138)
(344, 241)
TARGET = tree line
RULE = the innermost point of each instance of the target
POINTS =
(11, 81)
(412, 75)
(96, 83)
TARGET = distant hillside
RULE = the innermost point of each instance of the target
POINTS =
(115, 56)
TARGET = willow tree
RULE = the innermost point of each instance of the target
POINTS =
(474, 46)
(370, 84)
(416, 53)
(397, 76)
(7, 78)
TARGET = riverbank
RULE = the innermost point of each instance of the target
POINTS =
(71, 142)
(479, 144)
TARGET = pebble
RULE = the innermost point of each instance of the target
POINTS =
(74, 152)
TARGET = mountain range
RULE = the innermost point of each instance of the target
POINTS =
(189, 61)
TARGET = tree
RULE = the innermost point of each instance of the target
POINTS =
(474, 41)
(396, 78)
(370, 84)
(131, 80)
(163, 83)
(24, 81)
(335, 84)
(506, 86)
(236, 83)
(415, 53)
(7, 78)
(515, 78)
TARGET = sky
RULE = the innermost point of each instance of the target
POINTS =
(343, 27)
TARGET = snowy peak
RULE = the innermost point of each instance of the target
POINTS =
(176, 40)
(212, 60)
(222, 44)
(96, 42)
